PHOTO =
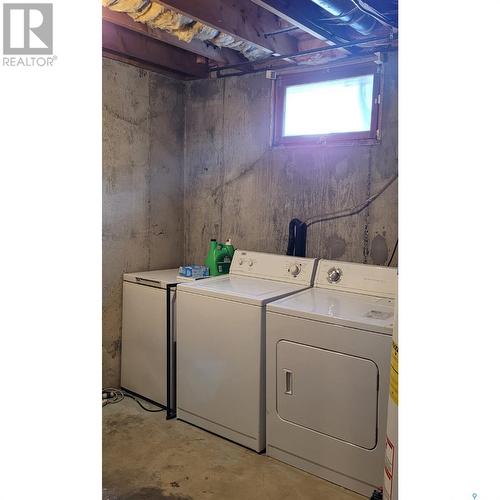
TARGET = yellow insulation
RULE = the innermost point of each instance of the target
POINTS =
(249, 50)
(170, 21)
(184, 28)
(205, 32)
(136, 15)
(147, 15)
(187, 33)
(253, 53)
(223, 40)
(127, 5)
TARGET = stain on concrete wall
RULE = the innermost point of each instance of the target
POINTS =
(237, 186)
(143, 148)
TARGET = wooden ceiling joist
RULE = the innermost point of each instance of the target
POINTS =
(241, 19)
(216, 54)
(154, 53)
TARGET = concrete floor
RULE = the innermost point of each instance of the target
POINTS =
(146, 457)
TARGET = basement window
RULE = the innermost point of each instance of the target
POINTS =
(332, 106)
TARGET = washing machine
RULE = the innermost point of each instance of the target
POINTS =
(328, 364)
(221, 343)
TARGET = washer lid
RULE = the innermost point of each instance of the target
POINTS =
(340, 308)
(254, 291)
(158, 279)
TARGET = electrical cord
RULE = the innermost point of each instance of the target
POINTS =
(297, 230)
(349, 211)
(393, 253)
(111, 395)
(141, 405)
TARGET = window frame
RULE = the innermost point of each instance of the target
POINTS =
(371, 136)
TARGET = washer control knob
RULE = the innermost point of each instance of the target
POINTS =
(250, 263)
(294, 269)
(334, 274)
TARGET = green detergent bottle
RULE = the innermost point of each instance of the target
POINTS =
(219, 257)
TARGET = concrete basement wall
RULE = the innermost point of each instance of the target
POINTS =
(237, 186)
(143, 148)
(186, 162)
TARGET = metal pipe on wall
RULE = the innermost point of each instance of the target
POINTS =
(342, 61)
(377, 40)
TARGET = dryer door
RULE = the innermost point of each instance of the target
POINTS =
(328, 392)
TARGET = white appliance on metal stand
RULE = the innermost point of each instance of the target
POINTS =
(148, 336)
(328, 362)
(221, 343)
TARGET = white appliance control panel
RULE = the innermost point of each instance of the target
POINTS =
(358, 278)
(270, 266)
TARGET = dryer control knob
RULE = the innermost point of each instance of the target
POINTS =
(240, 262)
(334, 274)
(250, 263)
(294, 270)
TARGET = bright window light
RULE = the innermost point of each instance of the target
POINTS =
(329, 107)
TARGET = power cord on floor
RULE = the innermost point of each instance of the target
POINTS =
(111, 395)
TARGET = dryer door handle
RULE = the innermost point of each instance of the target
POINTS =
(288, 382)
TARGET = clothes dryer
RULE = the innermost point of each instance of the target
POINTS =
(328, 361)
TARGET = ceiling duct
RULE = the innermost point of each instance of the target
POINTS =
(347, 12)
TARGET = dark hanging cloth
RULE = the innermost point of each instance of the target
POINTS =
(297, 236)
